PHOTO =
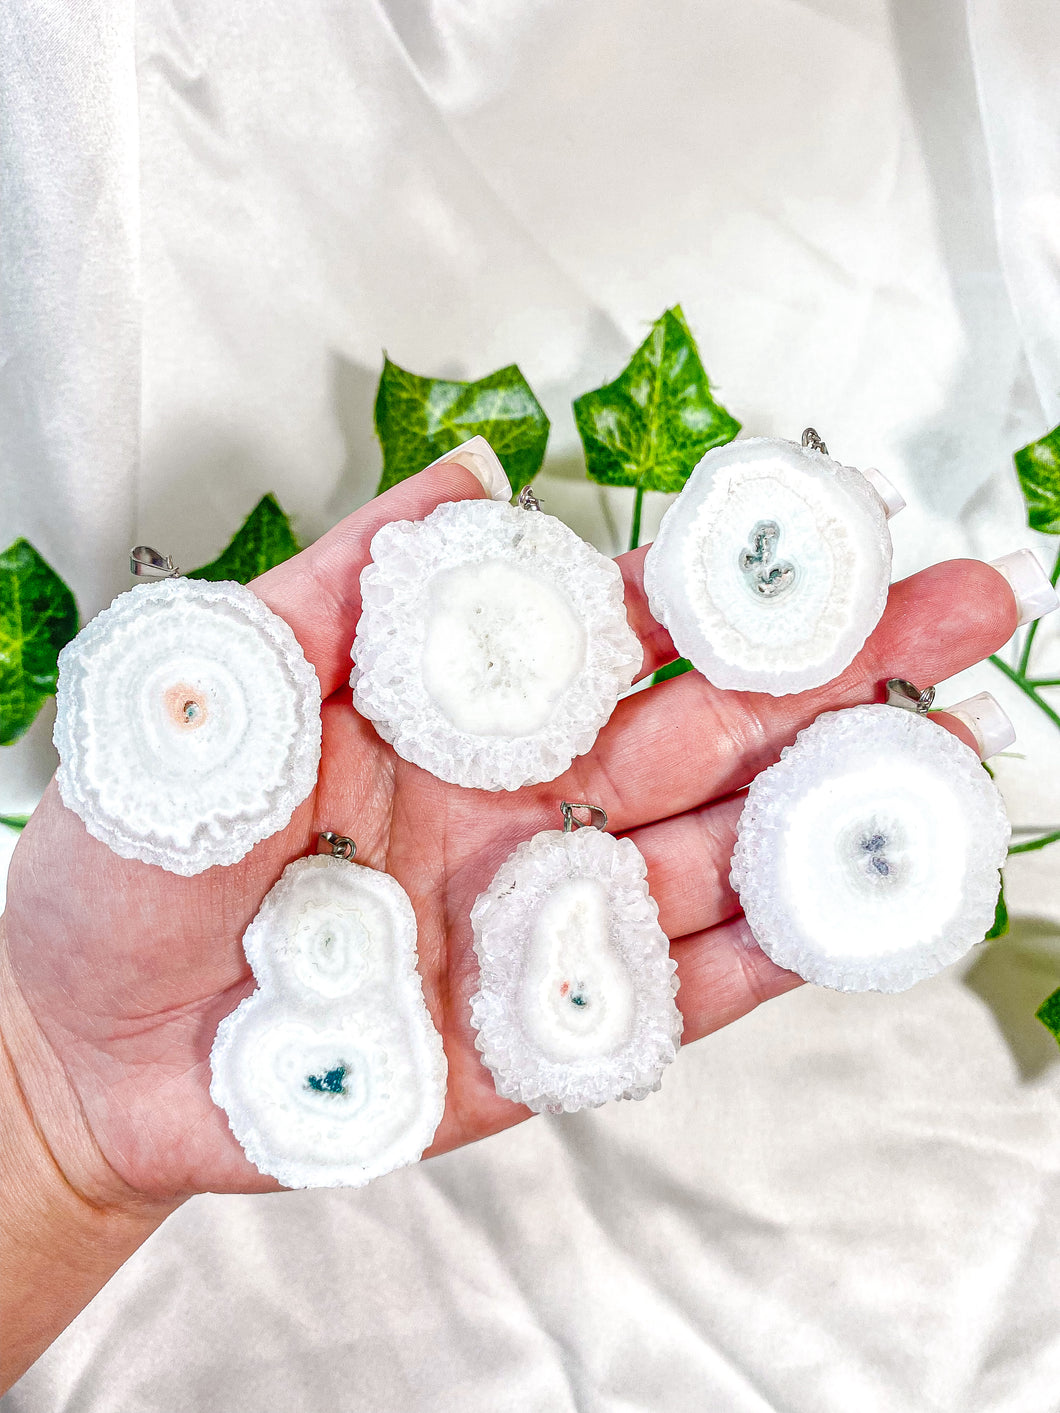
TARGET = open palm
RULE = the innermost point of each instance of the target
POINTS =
(126, 970)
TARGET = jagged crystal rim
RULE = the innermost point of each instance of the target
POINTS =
(391, 626)
(241, 832)
(671, 609)
(519, 1071)
(256, 942)
(820, 744)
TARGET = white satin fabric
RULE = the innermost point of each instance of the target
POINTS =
(213, 219)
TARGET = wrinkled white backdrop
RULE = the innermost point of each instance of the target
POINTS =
(214, 216)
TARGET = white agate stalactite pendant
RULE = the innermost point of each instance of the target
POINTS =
(868, 856)
(771, 568)
(576, 990)
(188, 724)
(492, 644)
(332, 1072)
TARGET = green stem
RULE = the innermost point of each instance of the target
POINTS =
(1028, 642)
(1025, 687)
(634, 529)
(1033, 844)
(1044, 681)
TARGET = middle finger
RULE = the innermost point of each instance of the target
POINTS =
(684, 742)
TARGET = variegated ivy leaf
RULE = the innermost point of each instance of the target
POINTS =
(651, 426)
(264, 540)
(1038, 467)
(38, 617)
(1049, 1014)
(419, 419)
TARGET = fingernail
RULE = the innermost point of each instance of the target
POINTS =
(1035, 596)
(888, 492)
(484, 464)
(986, 721)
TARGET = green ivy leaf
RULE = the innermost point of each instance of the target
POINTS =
(264, 540)
(419, 419)
(650, 426)
(1000, 925)
(14, 821)
(672, 669)
(1038, 467)
(1049, 1014)
(38, 617)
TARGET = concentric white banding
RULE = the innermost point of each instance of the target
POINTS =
(492, 644)
(576, 990)
(868, 856)
(771, 568)
(332, 1072)
(188, 724)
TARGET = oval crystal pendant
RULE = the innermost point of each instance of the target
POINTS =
(771, 567)
(575, 1004)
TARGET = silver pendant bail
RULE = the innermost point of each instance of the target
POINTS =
(597, 816)
(812, 440)
(147, 563)
(337, 845)
(903, 694)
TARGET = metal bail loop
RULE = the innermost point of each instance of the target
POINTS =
(811, 439)
(147, 563)
(337, 845)
(526, 500)
(597, 816)
(903, 694)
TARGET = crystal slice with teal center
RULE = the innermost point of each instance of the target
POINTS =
(332, 1082)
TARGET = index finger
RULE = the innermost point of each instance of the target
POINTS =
(318, 592)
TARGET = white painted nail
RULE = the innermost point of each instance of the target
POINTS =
(888, 492)
(986, 721)
(484, 464)
(1035, 596)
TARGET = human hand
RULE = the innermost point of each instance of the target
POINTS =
(121, 972)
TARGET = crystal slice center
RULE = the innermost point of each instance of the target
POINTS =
(330, 947)
(872, 857)
(187, 707)
(577, 996)
(795, 584)
(501, 647)
(765, 573)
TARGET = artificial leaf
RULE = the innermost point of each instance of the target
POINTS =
(1000, 924)
(264, 540)
(1049, 1014)
(14, 821)
(672, 669)
(419, 419)
(1038, 467)
(650, 426)
(38, 617)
